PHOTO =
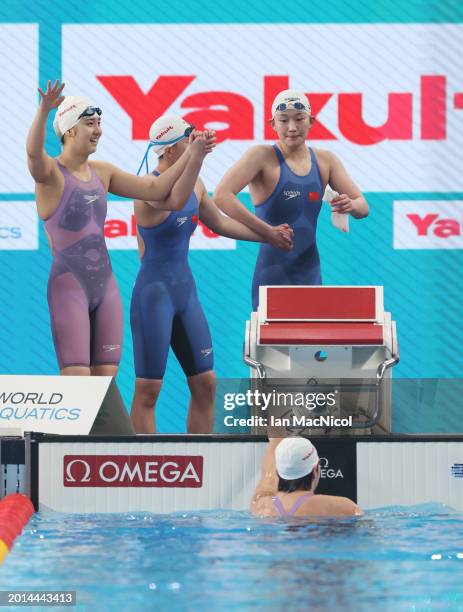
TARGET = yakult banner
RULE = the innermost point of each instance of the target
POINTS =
(388, 98)
(428, 224)
(51, 404)
(19, 71)
(121, 230)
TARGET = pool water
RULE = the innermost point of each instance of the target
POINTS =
(391, 559)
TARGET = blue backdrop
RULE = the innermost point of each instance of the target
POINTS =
(423, 287)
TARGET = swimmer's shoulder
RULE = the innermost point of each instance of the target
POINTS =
(260, 160)
(263, 153)
(323, 155)
(325, 161)
(104, 171)
(334, 505)
(248, 168)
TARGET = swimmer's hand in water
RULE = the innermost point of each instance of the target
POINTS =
(281, 237)
(342, 204)
(51, 97)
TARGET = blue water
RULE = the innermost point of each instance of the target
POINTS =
(390, 559)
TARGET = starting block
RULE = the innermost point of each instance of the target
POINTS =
(316, 338)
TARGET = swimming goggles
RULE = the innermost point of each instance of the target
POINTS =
(163, 143)
(90, 111)
(292, 105)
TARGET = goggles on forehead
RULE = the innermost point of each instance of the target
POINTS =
(90, 111)
(292, 105)
(163, 143)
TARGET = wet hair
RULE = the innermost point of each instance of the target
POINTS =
(298, 484)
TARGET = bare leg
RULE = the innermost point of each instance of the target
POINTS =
(201, 410)
(75, 371)
(143, 405)
(104, 370)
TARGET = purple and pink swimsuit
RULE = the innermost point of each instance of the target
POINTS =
(282, 512)
(83, 297)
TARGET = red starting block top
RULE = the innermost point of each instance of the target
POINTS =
(321, 333)
(322, 303)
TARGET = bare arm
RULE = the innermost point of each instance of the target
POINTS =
(347, 507)
(220, 224)
(157, 189)
(240, 175)
(39, 162)
(268, 484)
(147, 187)
(351, 199)
(183, 187)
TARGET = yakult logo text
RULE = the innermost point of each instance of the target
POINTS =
(237, 111)
(117, 228)
(381, 128)
(164, 132)
(440, 226)
(428, 224)
(66, 110)
(183, 471)
(120, 230)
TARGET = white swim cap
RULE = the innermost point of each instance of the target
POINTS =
(69, 113)
(167, 131)
(295, 458)
(291, 99)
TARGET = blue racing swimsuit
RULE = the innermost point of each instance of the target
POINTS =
(296, 200)
(165, 310)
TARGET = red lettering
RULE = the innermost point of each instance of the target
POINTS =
(422, 224)
(272, 86)
(445, 228)
(207, 232)
(133, 225)
(433, 108)
(238, 114)
(398, 125)
(114, 228)
(318, 131)
(143, 108)
(458, 101)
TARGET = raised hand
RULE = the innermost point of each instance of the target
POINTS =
(208, 135)
(51, 98)
(193, 135)
(211, 139)
(198, 146)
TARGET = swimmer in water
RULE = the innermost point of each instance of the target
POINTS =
(290, 476)
(83, 297)
(287, 182)
(165, 310)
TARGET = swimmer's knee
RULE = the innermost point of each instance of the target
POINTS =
(203, 384)
(75, 370)
(147, 390)
(104, 370)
